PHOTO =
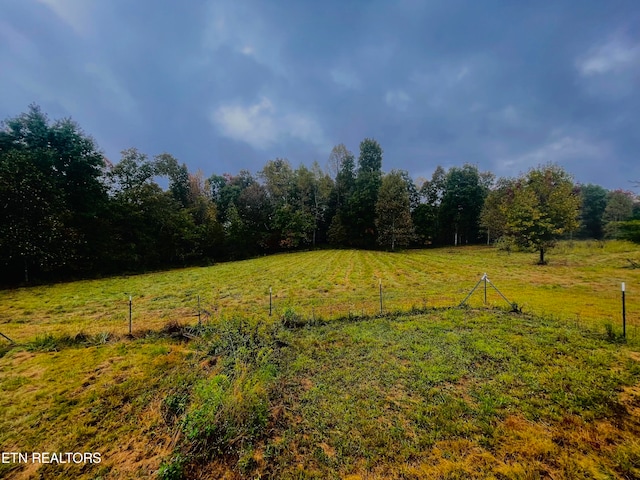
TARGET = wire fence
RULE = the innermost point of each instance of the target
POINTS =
(133, 313)
(393, 301)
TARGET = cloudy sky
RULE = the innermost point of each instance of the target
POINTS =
(225, 85)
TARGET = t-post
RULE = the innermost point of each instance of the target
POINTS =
(199, 318)
(624, 314)
(485, 288)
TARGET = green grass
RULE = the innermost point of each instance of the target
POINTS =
(581, 283)
(326, 387)
(455, 394)
(91, 398)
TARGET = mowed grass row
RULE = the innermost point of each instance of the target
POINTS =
(580, 284)
(105, 399)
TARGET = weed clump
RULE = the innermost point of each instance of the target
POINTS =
(226, 414)
(52, 343)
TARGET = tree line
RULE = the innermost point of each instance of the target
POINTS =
(68, 212)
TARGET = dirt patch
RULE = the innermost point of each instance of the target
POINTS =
(306, 384)
(630, 398)
(327, 449)
(20, 357)
(138, 455)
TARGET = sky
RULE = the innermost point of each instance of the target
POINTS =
(225, 85)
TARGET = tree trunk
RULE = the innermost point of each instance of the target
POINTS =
(26, 271)
(393, 234)
(541, 262)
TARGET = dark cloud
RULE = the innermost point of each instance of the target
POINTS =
(225, 85)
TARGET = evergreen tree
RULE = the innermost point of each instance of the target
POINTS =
(362, 205)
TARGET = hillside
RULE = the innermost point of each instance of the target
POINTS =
(326, 387)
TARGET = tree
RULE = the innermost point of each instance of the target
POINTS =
(493, 216)
(593, 199)
(225, 190)
(393, 215)
(461, 204)
(619, 209)
(53, 194)
(341, 229)
(33, 232)
(362, 205)
(150, 227)
(314, 189)
(167, 165)
(208, 235)
(256, 215)
(342, 169)
(425, 216)
(540, 207)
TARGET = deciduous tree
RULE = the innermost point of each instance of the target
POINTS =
(593, 200)
(541, 207)
(393, 215)
(619, 209)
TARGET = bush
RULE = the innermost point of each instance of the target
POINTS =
(173, 469)
(630, 230)
(228, 415)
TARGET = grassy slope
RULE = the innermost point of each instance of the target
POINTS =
(581, 283)
(449, 394)
(457, 394)
(102, 398)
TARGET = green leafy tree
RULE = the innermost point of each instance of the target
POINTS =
(208, 235)
(225, 190)
(33, 232)
(619, 209)
(150, 227)
(493, 216)
(341, 229)
(461, 204)
(291, 223)
(630, 230)
(53, 176)
(593, 199)
(425, 216)
(541, 207)
(314, 189)
(342, 168)
(254, 210)
(393, 213)
(167, 165)
(362, 205)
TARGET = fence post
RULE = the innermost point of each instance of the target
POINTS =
(270, 302)
(624, 314)
(485, 288)
(199, 319)
(380, 296)
(130, 312)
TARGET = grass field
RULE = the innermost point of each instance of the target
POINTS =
(581, 283)
(326, 387)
